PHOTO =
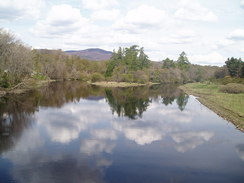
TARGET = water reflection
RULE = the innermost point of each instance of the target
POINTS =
(74, 132)
(14, 119)
(128, 102)
(240, 151)
(190, 140)
(132, 102)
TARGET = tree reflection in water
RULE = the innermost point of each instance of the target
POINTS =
(132, 102)
(128, 102)
(65, 132)
(16, 112)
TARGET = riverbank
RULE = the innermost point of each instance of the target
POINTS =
(24, 87)
(229, 106)
(119, 84)
(32, 84)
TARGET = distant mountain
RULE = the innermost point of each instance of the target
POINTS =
(94, 54)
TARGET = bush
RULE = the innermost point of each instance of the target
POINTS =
(127, 78)
(38, 76)
(221, 72)
(4, 80)
(140, 77)
(232, 88)
(97, 77)
(84, 76)
(228, 79)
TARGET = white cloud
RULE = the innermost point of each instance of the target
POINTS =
(174, 114)
(108, 15)
(95, 146)
(224, 42)
(142, 136)
(142, 17)
(25, 146)
(66, 123)
(179, 37)
(213, 58)
(141, 132)
(99, 4)
(104, 134)
(240, 151)
(162, 28)
(60, 127)
(242, 3)
(61, 20)
(190, 140)
(15, 9)
(192, 10)
(237, 34)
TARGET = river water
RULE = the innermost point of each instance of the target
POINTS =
(72, 132)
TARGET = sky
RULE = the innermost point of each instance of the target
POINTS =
(209, 31)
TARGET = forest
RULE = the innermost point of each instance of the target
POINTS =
(20, 64)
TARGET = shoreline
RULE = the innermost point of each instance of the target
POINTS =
(29, 86)
(112, 84)
(205, 98)
(39, 83)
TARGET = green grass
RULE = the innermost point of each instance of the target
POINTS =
(229, 106)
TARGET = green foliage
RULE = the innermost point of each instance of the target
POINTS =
(182, 61)
(242, 71)
(126, 78)
(168, 63)
(133, 58)
(235, 67)
(38, 76)
(182, 101)
(228, 79)
(97, 77)
(126, 64)
(232, 88)
(4, 80)
(230, 106)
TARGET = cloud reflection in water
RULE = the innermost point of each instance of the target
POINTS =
(83, 139)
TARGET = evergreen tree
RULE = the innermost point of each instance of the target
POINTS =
(168, 63)
(133, 58)
(183, 62)
(234, 66)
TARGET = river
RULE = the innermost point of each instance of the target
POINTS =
(74, 132)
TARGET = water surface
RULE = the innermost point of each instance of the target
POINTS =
(73, 132)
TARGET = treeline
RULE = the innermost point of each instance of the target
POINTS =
(234, 67)
(20, 63)
(132, 65)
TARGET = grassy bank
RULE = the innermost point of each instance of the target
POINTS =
(229, 106)
(119, 84)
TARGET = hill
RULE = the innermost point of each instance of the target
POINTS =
(95, 54)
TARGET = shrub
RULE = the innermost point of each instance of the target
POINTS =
(84, 76)
(4, 80)
(221, 72)
(140, 77)
(97, 77)
(228, 79)
(232, 88)
(127, 78)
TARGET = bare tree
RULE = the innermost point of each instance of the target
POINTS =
(15, 58)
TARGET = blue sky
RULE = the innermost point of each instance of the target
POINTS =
(209, 31)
